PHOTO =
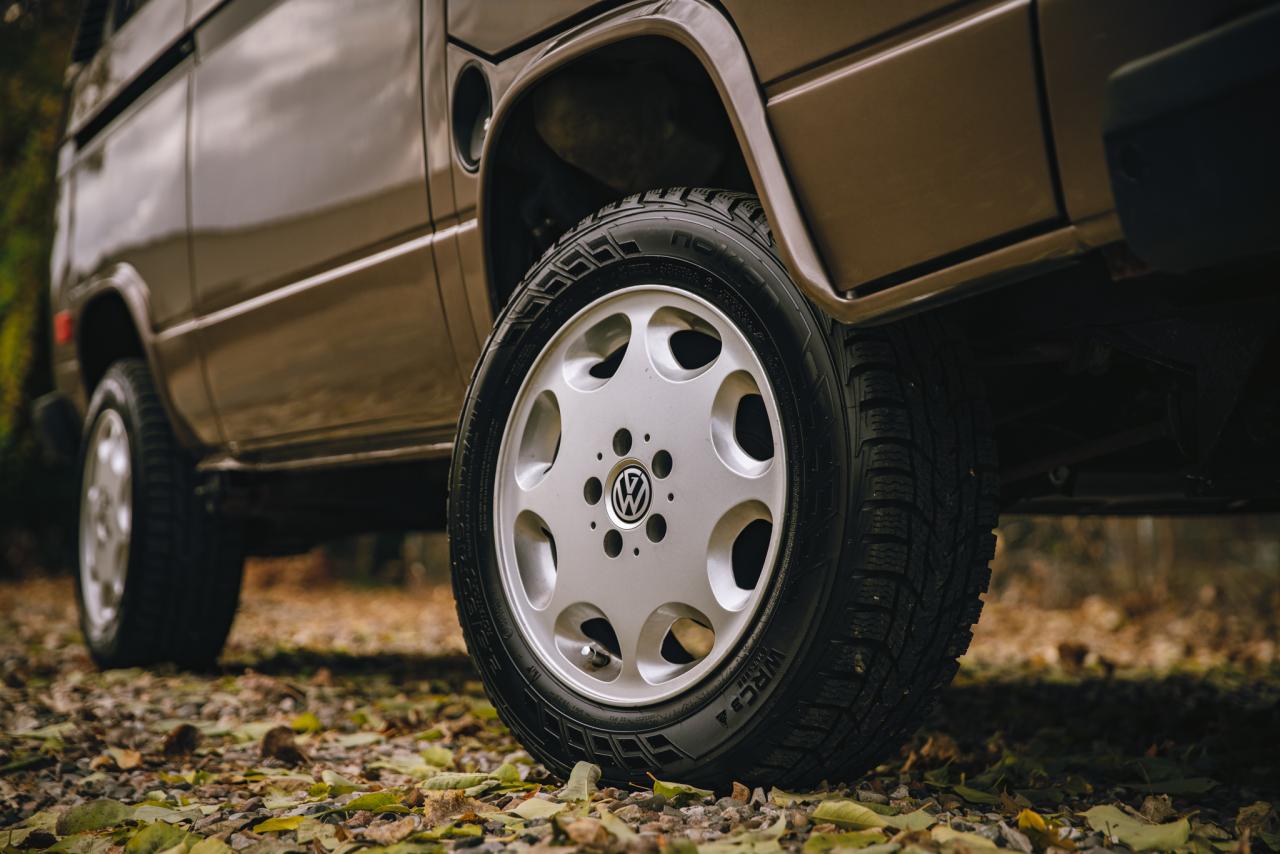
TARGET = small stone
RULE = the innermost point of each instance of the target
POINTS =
(869, 797)
(182, 740)
(758, 797)
(587, 831)
(1156, 808)
(899, 793)
(740, 793)
(656, 803)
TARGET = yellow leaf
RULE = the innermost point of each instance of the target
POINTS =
(125, 759)
(279, 823)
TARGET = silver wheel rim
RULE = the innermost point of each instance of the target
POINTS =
(106, 522)
(639, 495)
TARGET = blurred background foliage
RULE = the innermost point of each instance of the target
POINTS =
(35, 42)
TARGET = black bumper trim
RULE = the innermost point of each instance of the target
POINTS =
(1192, 136)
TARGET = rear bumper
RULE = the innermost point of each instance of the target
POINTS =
(1192, 135)
(57, 427)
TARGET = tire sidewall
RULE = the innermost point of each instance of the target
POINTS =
(719, 259)
(113, 392)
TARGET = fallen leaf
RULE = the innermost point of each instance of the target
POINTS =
(532, 808)
(441, 757)
(454, 780)
(155, 838)
(92, 815)
(337, 784)
(378, 802)
(125, 758)
(679, 792)
(855, 816)
(306, 722)
(582, 782)
(975, 796)
(1138, 834)
(616, 826)
(279, 823)
(819, 843)
(391, 832)
(211, 845)
(946, 835)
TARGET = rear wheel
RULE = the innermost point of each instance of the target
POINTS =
(159, 575)
(698, 529)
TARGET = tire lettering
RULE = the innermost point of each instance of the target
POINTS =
(752, 682)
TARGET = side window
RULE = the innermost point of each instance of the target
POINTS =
(92, 29)
(124, 10)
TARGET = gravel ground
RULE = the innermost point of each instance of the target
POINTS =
(346, 719)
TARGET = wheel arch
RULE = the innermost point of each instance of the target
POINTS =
(112, 322)
(708, 39)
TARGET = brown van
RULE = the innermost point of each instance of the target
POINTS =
(707, 319)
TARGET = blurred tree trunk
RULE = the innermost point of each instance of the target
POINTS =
(35, 40)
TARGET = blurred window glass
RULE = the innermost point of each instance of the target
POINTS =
(124, 10)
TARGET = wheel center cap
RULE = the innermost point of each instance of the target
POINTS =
(630, 495)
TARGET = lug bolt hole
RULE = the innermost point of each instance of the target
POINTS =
(622, 442)
(599, 456)
(671, 496)
(646, 437)
(662, 464)
(656, 528)
(613, 544)
(636, 551)
(593, 490)
(593, 526)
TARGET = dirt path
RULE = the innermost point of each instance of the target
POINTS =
(346, 719)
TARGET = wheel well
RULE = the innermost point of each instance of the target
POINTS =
(107, 333)
(635, 115)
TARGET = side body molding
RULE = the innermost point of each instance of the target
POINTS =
(709, 36)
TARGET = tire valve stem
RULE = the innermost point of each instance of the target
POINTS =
(594, 656)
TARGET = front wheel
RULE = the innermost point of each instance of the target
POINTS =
(159, 575)
(697, 529)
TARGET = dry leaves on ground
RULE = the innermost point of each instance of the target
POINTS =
(348, 721)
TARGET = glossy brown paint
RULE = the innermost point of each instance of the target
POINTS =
(134, 173)
(785, 37)
(491, 27)
(920, 149)
(324, 353)
(330, 286)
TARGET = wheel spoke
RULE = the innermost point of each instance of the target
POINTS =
(106, 520)
(624, 449)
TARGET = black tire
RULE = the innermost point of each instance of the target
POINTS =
(182, 581)
(886, 546)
